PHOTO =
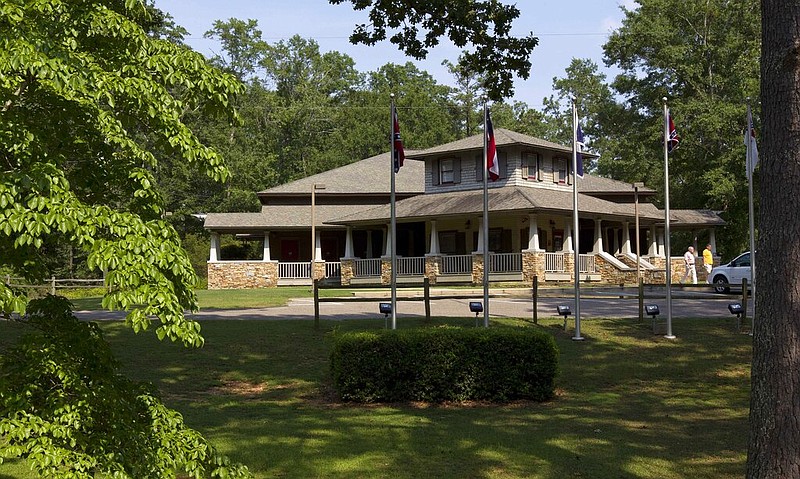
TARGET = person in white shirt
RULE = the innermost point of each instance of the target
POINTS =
(688, 260)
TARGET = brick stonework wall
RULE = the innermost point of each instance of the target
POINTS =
(532, 265)
(569, 264)
(318, 270)
(347, 271)
(611, 275)
(477, 268)
(242, 274)
(433, 267)
(386, 270)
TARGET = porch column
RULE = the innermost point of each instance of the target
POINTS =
(265, 256)
(317, 246)
(434, 249)
(387, 245)
(479, 246)
(661, 247)
(348, 243)
(598, 236)
(214, 255)
(566, 246)
(712, 240)
(533, 233)
(653, 250)
(369, 244)
(626, 238)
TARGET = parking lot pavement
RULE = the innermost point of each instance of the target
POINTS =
(331, 309)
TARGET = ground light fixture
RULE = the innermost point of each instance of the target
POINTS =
(652, 311)
(738, 310)
(564, 310)
(386, 310)
(477, 308)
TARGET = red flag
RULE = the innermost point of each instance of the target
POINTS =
(398, 154)
(491, 150)
(674, 139)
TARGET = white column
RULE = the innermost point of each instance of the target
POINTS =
(317, 246)
(266, 256)
(598, 236)
(434, 248)
(213, 255)
(348, 243)
(662, 251)
(712, 239)
(533, 233)
(566, 245)
(479, 246)
(626, 238)
(653, 250)
(387, 244)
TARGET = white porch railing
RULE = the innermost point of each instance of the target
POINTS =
(456, 264)
(587, 263)
(294, 270)
(333, 269)
(413, 266)
(554, 262)
(367, 267)
(505, 262)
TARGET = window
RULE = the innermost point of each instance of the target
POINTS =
(560, 173)
(446, 170)
(531, 163)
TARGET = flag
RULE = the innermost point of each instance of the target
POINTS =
(579, 145)
(674, 139)
(398, 155)
(752, 150)
(491, 150)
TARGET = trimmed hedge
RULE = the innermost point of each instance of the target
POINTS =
(445, 364)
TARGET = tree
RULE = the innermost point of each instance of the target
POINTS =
(702, 55)
(89, 100)
(485, 24)
(774, 428)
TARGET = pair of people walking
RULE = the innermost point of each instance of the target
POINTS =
(689, 263)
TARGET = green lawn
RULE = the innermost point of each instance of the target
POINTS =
(629, 405)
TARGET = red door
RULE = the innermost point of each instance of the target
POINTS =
(290, 251)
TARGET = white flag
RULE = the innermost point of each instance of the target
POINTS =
(750, 142)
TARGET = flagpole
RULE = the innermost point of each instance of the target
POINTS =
(576, 262)
(669, 334)
(750, 168)
(393, 226)
(485, 224)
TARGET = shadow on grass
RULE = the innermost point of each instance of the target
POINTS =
(629, 405)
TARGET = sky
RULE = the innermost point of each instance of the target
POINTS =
(566, 29)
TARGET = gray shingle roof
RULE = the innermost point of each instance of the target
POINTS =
(502, 137)
(510, 199)
(600, 184)
(277, 217)
(369, 176)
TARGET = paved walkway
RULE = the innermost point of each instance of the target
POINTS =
(698, 305)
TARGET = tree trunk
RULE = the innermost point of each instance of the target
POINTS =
(775, 397)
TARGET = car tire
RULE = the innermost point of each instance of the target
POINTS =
(721, 284)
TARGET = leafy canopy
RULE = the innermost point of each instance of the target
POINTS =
(88, 103)
(484, 24)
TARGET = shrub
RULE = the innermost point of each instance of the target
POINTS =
(445, 364)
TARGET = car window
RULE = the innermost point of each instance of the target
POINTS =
(743, 260)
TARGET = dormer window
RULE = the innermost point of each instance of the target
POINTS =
(531, 166)
(561, 171)
(446, 170)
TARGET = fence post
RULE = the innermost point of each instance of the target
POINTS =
(641, 299)
(53, 285)
(316, 304)
(535, 299)
(426, 288)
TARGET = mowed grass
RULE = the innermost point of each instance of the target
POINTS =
(231, 298)
(629, 405)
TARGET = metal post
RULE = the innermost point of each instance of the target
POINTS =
(426, 285)
(667, 251)
(577, 257)
(316, 303)
(535, 299)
